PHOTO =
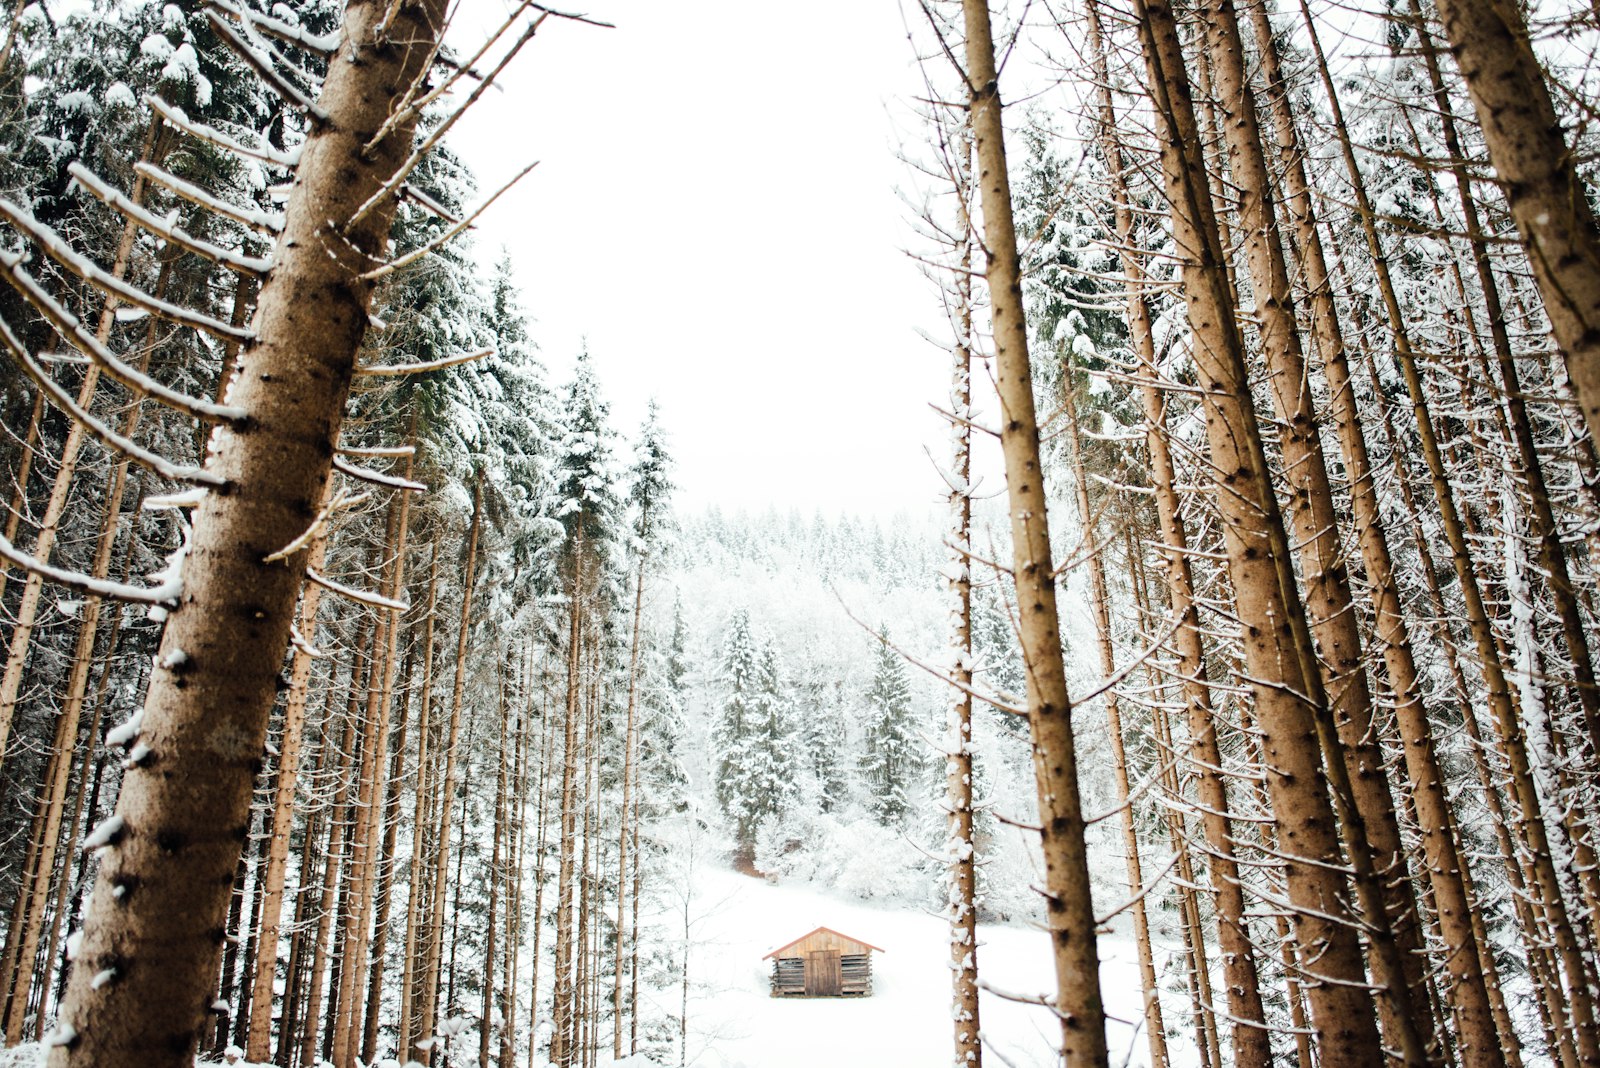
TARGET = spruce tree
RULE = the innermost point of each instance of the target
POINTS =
(754, 777)
(889, 759)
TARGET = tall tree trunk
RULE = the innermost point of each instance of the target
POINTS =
(1068, 903)
(1548, 199)
(161, 893)
(1354, 755)
(416, 938)
(1250, 1039)
(378, 969)
(294, 720)
(429, 1009)
(1099, 608)
(496, 852)
(371, 805)
(630, 743)
(1530, 818)
(961, 857)
(1279, 660)
(332, 859)
(561, 1007)
(1480, 1043)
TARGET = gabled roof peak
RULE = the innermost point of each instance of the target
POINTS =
(819, 930)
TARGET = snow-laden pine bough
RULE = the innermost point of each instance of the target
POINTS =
(261, 501)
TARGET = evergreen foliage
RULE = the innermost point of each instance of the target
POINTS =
(891, 760)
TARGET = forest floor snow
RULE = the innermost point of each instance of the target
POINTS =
(735, 1023)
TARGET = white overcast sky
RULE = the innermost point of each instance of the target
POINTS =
(715, 214)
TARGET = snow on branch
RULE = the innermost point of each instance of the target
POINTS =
(211, 135)
(364, 596)
(106, 194)
(378, 450)
(72, 330)
(269, 223)
(366, 474)
(57, 249)
(381, 370)
(166, 594)
(261, 61)
(107, 436)
(324, 44)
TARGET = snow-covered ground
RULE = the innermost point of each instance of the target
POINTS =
(734, 1023)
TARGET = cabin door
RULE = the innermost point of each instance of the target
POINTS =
(822, 973)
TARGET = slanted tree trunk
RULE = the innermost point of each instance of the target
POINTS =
(1389, 908)
(1069, 906)
(1480, 1044)
(1548, 200)
(1278, 656)
(1250, 1039)
(1498, 695)
(150, 942)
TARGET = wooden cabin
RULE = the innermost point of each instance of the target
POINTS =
(822, 964)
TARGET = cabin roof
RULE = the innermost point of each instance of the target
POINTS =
(819, 930)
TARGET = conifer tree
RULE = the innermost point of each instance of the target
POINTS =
(890, 756)
(751, 738)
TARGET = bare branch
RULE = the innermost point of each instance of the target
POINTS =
(385, 370)
(448, 235)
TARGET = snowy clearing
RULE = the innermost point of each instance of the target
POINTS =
(735, 1023)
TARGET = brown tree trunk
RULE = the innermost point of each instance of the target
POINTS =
(410, 1024)
(369, 806)
(1068, 902)
(294, 720)
(1250, 1040)
(1280, 663)
(496, 852)
(630, 744)
(429, 1008)
(1498, 692)
(1099, 608)
(390, 818)
(1391, 916)
(1480, 1044)
(1547, 198)
(149, 947)
(561, 1006)
(961, 851)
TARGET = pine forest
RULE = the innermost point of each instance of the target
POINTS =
(1047, 532)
